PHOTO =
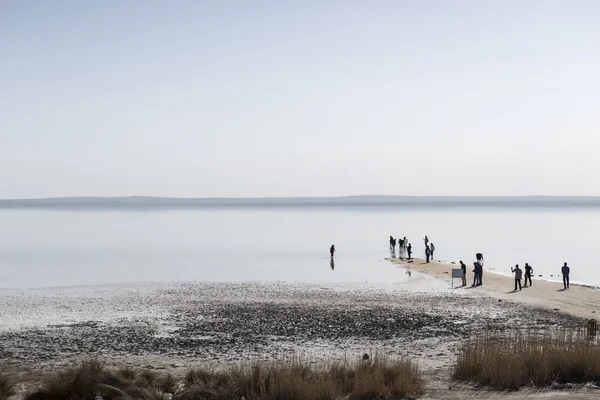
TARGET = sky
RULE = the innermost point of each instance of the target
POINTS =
(299, 98)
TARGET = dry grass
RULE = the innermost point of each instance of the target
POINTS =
(92, 379)
(7, 387)
(529, 359)
(379, 378)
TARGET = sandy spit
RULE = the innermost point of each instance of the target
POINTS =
(579, 300)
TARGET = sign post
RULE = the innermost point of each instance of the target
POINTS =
(456, 273)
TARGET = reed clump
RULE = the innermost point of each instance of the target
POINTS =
(376, 378)
(530, 358)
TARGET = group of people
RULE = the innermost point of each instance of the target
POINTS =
(519, 274)
(403, 247)
(477, 271)
(429, 249)
(529, 271)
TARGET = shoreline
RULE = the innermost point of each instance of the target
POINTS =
(174, 327)
(222, 322)
(580, 300)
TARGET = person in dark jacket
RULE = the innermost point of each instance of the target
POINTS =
(409, 251)
(528, 272)
(476, 272)
(518, 275)
(332, 250)
(479, 257)
(565, 273)
(427, 254)
(464, 271)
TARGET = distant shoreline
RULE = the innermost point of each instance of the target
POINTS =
(387, 202)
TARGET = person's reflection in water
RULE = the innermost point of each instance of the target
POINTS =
(331, 263)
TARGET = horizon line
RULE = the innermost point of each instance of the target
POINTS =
(539, 196)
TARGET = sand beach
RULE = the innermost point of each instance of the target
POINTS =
(579, 300)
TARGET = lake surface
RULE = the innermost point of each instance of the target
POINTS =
(49, 248)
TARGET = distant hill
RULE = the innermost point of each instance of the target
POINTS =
(388, 202)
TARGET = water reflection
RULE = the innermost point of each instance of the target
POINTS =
(332, 264)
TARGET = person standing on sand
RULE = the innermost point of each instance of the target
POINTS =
(426, 240)
(479, 257)
(409, 250)
(528, 272)
(476, 269)
(332, 250)
(565, 273)
(432, 249)
(518, 274)
(464, 271)
(427, 254)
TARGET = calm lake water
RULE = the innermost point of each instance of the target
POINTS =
(42, 248)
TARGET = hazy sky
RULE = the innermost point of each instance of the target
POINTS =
(299, 98)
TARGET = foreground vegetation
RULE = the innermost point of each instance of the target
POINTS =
(499, 362)
(529, 359)
(379, 378)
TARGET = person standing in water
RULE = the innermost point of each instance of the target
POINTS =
(464, 271)
(528, 272)
(332, 250)
(401, 247)
(518, 274)
(409, 250)
(565, 273)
